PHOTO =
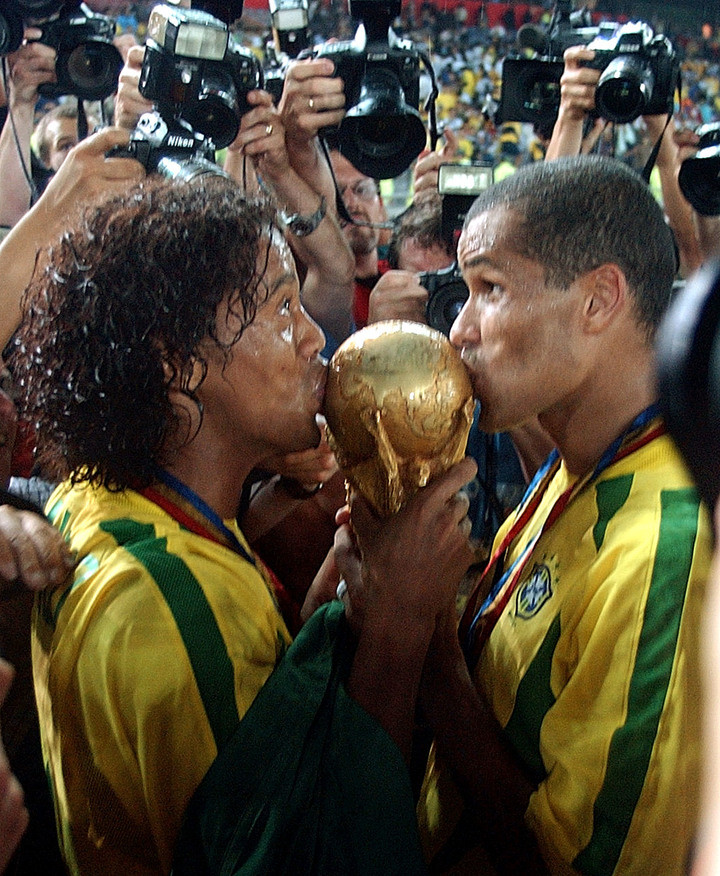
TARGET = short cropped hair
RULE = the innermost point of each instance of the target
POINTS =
(421, 223)
(575, 214)
(123, 313)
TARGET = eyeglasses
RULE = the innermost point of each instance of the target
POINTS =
(363, 189)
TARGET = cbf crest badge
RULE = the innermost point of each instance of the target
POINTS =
(535, 592)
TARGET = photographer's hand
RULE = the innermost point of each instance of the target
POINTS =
(425, 172)
(398, 295)
(577, 99)
(261, 139)
(312, 99)
(129, 103)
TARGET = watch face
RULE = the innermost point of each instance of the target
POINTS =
(300, 225)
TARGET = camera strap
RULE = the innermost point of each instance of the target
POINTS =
(652, 158)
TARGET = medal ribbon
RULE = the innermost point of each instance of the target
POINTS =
(481, 615)
(190, 511)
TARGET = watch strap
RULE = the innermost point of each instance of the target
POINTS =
(302, 226)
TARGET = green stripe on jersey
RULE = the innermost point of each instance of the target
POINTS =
(195, 620)
(536, 696)
(632, 744)
(610, 496)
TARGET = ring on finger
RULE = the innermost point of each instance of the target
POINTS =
(311, 103)
(341, 588)
(268, 130)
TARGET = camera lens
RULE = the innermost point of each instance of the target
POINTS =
(92, 70)
(215, 113)
(382, 134)
(445, 303)
(11, 31)
(624, 89)
(188, 169)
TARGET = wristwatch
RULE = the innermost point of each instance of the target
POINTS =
(300, 225)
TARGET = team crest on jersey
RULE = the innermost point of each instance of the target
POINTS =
(535, 592)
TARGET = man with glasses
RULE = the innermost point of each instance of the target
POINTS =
(361, 196)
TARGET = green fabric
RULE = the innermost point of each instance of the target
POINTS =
(309, 783)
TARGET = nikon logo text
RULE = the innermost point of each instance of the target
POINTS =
(178, 142)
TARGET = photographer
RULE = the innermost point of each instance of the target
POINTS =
(577, 100)
(29, 67)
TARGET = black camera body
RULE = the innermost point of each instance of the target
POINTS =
(699, 176)
(355, 62)
(15, 14)
(194, 70)
(382, 131)
(447, 293)
(640, 72)
(459, 185)
(173, 150)
(87, 63)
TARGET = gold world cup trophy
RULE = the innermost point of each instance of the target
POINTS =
(399, 407)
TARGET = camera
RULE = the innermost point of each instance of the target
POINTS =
(14, 16)
(687, 351)
(173, 150)
(198, 80)
(458, 184)
(447, 293)
(87, 63)
(699, 176)
(291, 36)
(194, 71)
(382, 131)
(640, 70)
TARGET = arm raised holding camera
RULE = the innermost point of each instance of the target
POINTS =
(577, 99)
(32, 65)
(312, 99)
(314, 234)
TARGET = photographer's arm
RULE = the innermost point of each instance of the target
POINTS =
(328, 284)
(85, 174)
(577, 99)
(30, 66)
(312, 99)
(677, 209)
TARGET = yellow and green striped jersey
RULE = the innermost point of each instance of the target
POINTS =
(144, 665)
(593, 671)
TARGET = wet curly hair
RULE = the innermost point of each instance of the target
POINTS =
(123, 310)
